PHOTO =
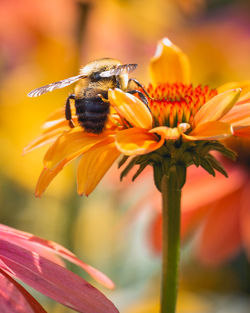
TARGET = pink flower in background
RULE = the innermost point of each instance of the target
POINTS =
(35, 261)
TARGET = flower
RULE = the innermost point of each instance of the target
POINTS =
(228, 211)
(218, 214)
(180, 126)
(35, 261)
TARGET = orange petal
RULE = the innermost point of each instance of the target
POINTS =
(210, 131)
(47, 176)
(239, 116)
(131, 108)
(93, 166)
(245, 218)
(134, 141)
(166, 132)
(243, 132)
(42, 140)
(244, 86)
(217, 107)
(169, 64)
(70, 145)
(221, 239)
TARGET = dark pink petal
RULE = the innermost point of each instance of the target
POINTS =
(42, 247)
(53, 280)
(14, 298)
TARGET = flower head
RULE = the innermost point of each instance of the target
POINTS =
(178, 127)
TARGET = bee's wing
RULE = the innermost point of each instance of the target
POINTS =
(60, 84)
(120, 69)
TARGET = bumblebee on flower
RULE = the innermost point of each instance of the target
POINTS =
(179, 127)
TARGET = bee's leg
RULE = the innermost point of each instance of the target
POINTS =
(139, 85)
(68, 111)
(103, 99)
(140, 94)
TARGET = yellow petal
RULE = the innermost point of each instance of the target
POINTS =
(43, 140)
(244, 86)
(210, 131)
(71, 145)
(47, 176)
(131, 108)
(134, 141)
(93, 166)
(217, 107)
(169, 64)
(239, 116)
(166, 132)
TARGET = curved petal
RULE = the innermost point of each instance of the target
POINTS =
(169, 64)
(71, 144)
(210, 131)
(134, 141)
(47, 248)
(239, 116)
(166, 132)
(131, 108)
(220, 238)
(42, 140)
(244, 86)
(14, 298)
(217, 107)
(53, 280)
(93, 166)
(47, 176)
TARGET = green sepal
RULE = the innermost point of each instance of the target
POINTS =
(216, 165)
(207, 166)
(158, 174)
(128, 168)
(138, 172)
(181, 174)
(123, 160)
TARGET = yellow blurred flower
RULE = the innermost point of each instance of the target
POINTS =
(194, 118)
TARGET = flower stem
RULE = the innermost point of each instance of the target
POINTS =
(171, 201)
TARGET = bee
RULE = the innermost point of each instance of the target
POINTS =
(91, 91)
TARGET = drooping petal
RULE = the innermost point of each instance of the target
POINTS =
(134, 141)
(53, 280)
(131, 108)
(46, 248)
(93, 166)
(14, 298)
(220, 238)
(238, 116)
(217, 107)
(58, 124)
(169, 64)
(70, 145)
(47, 176)
(210, 131)
(42, 140)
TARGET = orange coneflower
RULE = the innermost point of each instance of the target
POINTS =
(178, 112)
(179, 127)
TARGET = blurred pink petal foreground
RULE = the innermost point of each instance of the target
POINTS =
(34, 261)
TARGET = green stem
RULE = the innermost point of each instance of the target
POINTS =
(171, 196)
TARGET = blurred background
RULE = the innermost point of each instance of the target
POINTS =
(116, 228)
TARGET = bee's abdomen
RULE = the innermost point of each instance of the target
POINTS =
(92, 113)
